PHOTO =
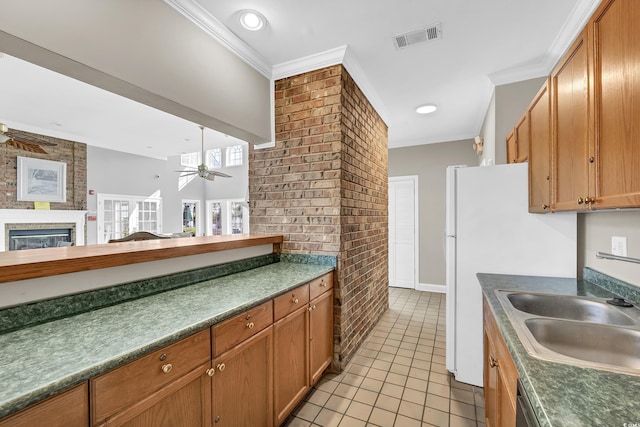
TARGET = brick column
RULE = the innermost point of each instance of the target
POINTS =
(324, 186)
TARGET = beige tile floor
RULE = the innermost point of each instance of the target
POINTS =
(397, 377)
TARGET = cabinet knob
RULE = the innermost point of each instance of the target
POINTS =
(323, 284)
(545, 206)
(248, 317)
(167, 368)
(295, 301)
(221, 367)
(592, 159)
(250, 325)
(580, 200)
(210, 371)
(492, 362)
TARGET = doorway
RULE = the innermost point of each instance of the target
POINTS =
(191, 217)
(403, 231)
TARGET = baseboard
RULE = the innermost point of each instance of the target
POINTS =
(426, 287)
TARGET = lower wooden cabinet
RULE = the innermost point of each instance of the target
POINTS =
(67, 409)
(169, 387)
(500, 376)
(303, 342)
(242, 384)
(320, 335)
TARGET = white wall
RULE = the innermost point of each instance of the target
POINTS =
(113, 172)
(146, 51)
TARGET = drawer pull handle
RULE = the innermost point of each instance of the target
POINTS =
(322, 284)
(211, 371)
(250, 325)
(221, 367)
(492, 362)
(295, 301)
(167, 368)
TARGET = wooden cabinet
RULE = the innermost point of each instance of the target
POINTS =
(320, 335)
(539, 117)
(67, 409)
(518, 142)
(615, 87)
(243, 365)
(570, 115)
(303, 339)
(291, 351)
(169, 387)
(242, 383)
(500, 376)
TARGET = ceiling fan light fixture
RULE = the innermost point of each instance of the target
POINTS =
(426, 109)
(252, 20)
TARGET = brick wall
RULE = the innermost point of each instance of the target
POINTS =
(74, 154)
(324, 187)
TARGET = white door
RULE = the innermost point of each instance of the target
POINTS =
(403, 231)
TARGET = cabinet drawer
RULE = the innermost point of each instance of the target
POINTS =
(128, 384)
(237, 329)
(290, 302)
(67, 409)
(320, 285)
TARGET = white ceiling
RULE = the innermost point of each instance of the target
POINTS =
(484, 42)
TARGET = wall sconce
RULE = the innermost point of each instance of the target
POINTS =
(478, 145)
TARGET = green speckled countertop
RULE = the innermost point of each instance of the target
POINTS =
(39, 361)
(564, 395)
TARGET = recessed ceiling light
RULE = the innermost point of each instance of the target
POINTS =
(426, 109)
(252, 20)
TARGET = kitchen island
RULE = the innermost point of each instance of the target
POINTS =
(563, 395)
(43, 359)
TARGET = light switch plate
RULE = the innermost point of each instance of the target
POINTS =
(619, 245)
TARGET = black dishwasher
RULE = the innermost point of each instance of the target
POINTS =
(525, 417)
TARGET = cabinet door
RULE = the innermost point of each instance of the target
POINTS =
(539, 114)
(184, 403)
(570, 109)
(242, 384)
(512, 149)
(290, 359)
(616, 83)
(490, 383)
(320, 334)
(67, 409)
(521, 132)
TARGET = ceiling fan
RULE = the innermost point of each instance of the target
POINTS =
(202, 170)
(23, 141)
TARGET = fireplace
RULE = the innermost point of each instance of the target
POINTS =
(31, 222)
(36, 239)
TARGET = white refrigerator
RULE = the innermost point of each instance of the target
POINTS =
(489, 230)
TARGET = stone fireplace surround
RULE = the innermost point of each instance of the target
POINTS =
(30, 219)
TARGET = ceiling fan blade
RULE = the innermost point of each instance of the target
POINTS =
(28, 138)
(209, 177)
(26, 146)
(220, 174)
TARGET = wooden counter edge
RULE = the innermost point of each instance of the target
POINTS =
(30, 264)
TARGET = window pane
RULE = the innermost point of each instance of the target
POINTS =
(216, 219)
(236, 218)
(214, 158)
(190, 159)
(234, 156)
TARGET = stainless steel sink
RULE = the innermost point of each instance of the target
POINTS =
(575, 330)
(569, 307)
(600, 344)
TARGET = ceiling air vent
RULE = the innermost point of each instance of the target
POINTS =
(431, 33)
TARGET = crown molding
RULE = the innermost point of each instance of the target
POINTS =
(340, 55)
(197, 14)
(573, 25)
(309, 63)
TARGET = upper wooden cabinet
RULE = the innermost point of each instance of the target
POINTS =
(570, 118)
(613, 31)
(518, 142)
(539, 117)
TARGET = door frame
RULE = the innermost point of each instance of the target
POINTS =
(416, 223)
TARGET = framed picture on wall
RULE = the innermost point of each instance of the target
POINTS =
(41, 180)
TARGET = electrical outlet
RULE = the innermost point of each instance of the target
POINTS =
(619, 245)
